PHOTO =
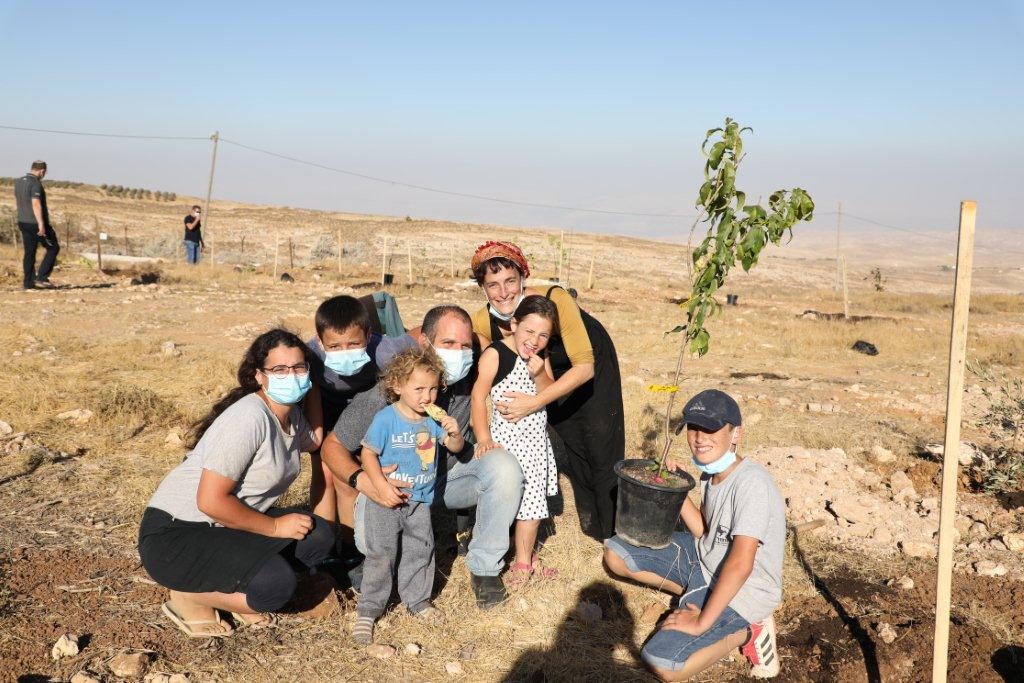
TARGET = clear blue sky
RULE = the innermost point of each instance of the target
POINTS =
(898, 109)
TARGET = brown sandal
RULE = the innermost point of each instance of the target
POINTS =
(188, 626)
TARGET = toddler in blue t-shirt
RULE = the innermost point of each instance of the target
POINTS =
(402, 434)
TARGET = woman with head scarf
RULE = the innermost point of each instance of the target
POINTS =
(584, 403)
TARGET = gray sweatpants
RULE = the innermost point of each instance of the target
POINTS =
(384, 533)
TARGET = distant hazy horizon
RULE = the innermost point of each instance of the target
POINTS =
(899, 111)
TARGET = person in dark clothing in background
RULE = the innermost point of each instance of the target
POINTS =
(34, 223)
(194, 243)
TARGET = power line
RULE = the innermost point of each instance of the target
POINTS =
(105, 135)
(452, 193)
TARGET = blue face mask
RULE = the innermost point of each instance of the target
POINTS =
(457, 363)
(347, 363)
(288, 390)
(503, 316)
(718, 466)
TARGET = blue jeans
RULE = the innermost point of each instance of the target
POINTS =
(678, 563)
(494, 485)
(192, 251)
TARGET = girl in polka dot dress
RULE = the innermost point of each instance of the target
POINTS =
(516, 364)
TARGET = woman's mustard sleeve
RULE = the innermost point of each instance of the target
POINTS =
(482, 323)
(573, 331)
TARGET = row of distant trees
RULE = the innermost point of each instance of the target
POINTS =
(110, 190)
(137, 193)
(49, 183)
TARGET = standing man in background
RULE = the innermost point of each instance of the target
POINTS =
(34, 223)
(194, 243)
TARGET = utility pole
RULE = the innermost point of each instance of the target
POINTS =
(839, 224)
(209, 189)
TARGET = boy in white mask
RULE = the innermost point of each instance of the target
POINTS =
(726, 566)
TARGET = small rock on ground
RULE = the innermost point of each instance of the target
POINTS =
(84, 677)
(5, 428)
(886, 632)
(78, 416)
(917, 549)
(454, 668)
(127, 665)
(66, 646)
(380, 651)
(413, 649)
(989, 568)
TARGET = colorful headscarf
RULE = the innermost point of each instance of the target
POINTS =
(488, 250)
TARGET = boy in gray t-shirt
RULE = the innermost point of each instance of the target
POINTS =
(726, 565)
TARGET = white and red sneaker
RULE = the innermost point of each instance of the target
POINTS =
(761, 649)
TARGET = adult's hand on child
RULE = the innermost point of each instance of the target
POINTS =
(293, 525)
(484, 447)
(685, 620)
(517, 405)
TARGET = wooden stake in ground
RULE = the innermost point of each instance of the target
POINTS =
(410, 264)
(452, 256)
(339, 251)
(209, 191)
(951, 452)
(291, 255)
(561, 244)
(241, 256)
(384, 261)
(839, 223)
(846, 296)
(277, 249)
(99, 249)
(590, 278)
(126, 251)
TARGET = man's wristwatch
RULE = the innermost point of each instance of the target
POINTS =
(355, 475)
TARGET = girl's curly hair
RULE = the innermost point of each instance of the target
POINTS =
(400, 369)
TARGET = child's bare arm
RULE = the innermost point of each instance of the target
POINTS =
(487, 368)
(692, 518)
(454, 442)
(736, 569)
(314, 412)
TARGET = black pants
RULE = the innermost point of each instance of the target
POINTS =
(195, 557)
(31, 239)
(590, 422)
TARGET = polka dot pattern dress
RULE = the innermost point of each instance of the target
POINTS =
(527, 439)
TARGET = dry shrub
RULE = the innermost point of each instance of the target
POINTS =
(126, 403)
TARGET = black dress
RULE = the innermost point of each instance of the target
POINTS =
(591, 423)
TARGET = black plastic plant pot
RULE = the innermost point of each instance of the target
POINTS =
(389, 278)
(647, 511)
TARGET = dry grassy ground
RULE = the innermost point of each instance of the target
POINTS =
(71, 502)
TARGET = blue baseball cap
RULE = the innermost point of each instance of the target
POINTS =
(712, 409)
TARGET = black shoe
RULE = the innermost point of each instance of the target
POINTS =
(462, 540)
(348, 555)
(489, 590)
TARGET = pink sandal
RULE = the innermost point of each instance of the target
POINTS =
(540, 570)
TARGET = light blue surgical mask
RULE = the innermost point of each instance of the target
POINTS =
(348, 362)
(718, 466)
(288, 390)
(457, 363)
(502, 316)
